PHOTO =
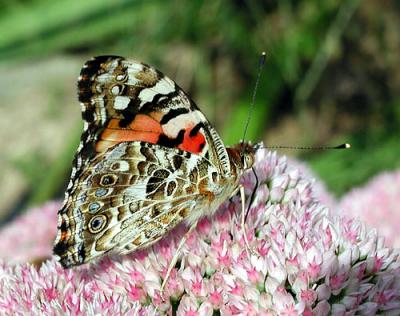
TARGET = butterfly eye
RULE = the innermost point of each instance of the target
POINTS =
(97, 223)
(249, 161)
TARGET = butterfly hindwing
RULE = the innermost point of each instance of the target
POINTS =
(128, 198)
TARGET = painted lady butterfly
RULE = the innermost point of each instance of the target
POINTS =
(148, 160)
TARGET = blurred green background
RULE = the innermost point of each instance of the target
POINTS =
(332, 75)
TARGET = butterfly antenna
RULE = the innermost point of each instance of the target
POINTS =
(341, 146)
(260, 67)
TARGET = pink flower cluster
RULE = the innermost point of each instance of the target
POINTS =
(30, 235)
(319, 190)
(303, 261)
(377, 204)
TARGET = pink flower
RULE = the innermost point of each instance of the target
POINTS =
(30, 236)
(378, 204)
(302, 260)
(299, 168)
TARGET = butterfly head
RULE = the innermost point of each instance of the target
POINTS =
(242, 155)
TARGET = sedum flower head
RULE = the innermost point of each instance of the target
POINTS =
(303, 261)
(378, 204)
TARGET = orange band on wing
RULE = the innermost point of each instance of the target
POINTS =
(146, 128)
(143, 128)
(142, 123)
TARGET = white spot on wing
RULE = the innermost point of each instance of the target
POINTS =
(132, 69)
(120, 77)
(192, 162)
(121, 102)
(163, 86)
(173, 126)
(115, 90)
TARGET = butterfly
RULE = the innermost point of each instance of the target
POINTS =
(148, 160)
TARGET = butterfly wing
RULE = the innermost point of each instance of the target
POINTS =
(125, 100)
(130, 107)
(128, 198)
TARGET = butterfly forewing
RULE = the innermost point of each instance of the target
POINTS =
(125, 100)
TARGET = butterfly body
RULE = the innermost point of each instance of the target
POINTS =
(148, 160)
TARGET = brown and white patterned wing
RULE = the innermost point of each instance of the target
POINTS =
(128, 198)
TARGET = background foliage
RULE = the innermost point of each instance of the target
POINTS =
(332, 75)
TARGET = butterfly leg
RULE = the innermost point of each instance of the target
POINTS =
(243, 226)
(175, 258)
